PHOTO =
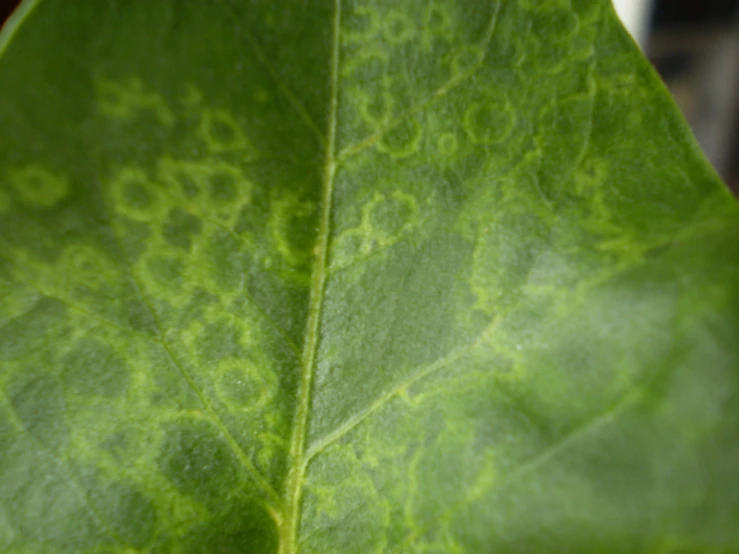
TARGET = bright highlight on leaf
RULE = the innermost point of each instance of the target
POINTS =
(318, 276)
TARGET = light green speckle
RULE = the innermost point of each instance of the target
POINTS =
(211, 187)
(402, 140)
(375, 110)
(398, 27)
(137, 196)
(222, 133)
(244, 386)
(292, 277)
(446, 144)
(487, 123)
(466, 59)
(125, 100)
(363, 23)
(38, 186)
(437, 21)
(290, 218)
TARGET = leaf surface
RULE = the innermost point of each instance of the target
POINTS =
(358, 276)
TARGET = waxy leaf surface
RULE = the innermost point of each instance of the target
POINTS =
(358, 276)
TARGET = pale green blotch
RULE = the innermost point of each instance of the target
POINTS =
(8, 535)
(361, 25)
(589, 177)
(226, 185)
(167, 280)
(192, 100)
(625, 249)
(462, 471)
(247, 390)
(447, 144)
(27, 268)
(183, 178)
(351, 245)
(228, 192)
(16, 300)
(38, 186)
(272, 447)
(83, 264)
(444, 541)
(370, 96)
(221, 133)
(191, 335)
(335, 484)
(242, 386)
(137, 196)
(484, 361)
(368, 65)
(336, 480)
(624, 84)
(401, 140)
(501, 270)
(289, 219)
(213, 188)
(398, 27)
(385, 220)
(495, 355)
(218, 128)
(437, 23)
(126, 99)
(166, 271)
(587, 183)
(466, 59)
(375, 110)
(488, 123)
(322, 499)
(484, 282)
(240, 328)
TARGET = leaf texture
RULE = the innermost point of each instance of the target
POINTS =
(318, 276)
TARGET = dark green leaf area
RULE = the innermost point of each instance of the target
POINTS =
(48, 507)
(241, 528)
(197, 461)
(94, 368)
(180, 227)
(374, 276)
(38, 403)
(127, 511)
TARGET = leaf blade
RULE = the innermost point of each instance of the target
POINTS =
(518, 298)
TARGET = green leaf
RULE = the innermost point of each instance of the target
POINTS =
(443, 276)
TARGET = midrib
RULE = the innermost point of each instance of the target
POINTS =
(293, 492)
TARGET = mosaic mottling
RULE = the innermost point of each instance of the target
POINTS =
(357, 276)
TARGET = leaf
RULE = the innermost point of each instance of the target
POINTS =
(440, 276)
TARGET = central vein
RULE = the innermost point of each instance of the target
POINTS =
(289, 526)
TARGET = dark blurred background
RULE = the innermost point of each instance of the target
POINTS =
(694, 44)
